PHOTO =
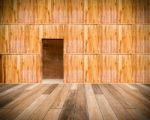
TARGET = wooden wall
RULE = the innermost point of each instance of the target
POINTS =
(105, 41)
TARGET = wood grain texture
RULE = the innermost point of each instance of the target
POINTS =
(92, 106)
(142, 9)
(82, 101)
(23, 68)
(141, 68)
(74, 68)
(142, 38)
(74, 42)
(113, 35)
(78, 40)
(91, 39)
(91, 69)
(125, 39)
(19, 39)
(108, 69)
(126, 11)
(91, 8)
(126, 68)
(109, 40)
(109, 10)
(75, 11)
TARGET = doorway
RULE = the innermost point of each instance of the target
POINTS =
(52, 59)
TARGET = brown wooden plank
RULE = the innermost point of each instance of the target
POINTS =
(77, 101)
(136, 94)
(30, 109)
(133, 100)
(118, 96)
(96, 89)
(5, 87)
(68, 110)
(50, 89)
(106, 110)
(24, 96)
(61, 98)
(92, 105)
(12, 96)
(118, 109)
(81, 112)
(14, 112)
(137, 114)
(43, 108)
(144, 92)
(52, 114)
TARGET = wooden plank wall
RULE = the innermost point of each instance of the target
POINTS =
(105, 41)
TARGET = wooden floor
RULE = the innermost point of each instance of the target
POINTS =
(75, 102)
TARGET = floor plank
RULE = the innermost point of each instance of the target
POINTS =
(30, 109)
(74, 102)
(68, 110)
(118, 109)
(60, 100)
(11, 95)
(14, 112)
(52, 114)
(81, 112)
(105, 108)
(43, 108)
(93, 108)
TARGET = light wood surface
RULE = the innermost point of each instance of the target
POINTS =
(105, 41)
(75, 101)
(74, 11)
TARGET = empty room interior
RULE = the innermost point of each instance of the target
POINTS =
(74, 59)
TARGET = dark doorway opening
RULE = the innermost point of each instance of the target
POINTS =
(52, 58)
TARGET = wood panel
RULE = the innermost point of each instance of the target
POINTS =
(108, 68)
(74, 42)
(141, 68)
(142, 11)
(125, 39)
(74, 69)
(25, 11)
(91, 11)
(23, 68)
(19, 39)
(142, 38)
(125, 67)
(75, 11)
(109, 11)
(53, 31)
(42, 11)
(9, 11)
(2, 38)
(109, 40)
(126, 11)
(91, 69)
(59, 11)
(91, 39)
